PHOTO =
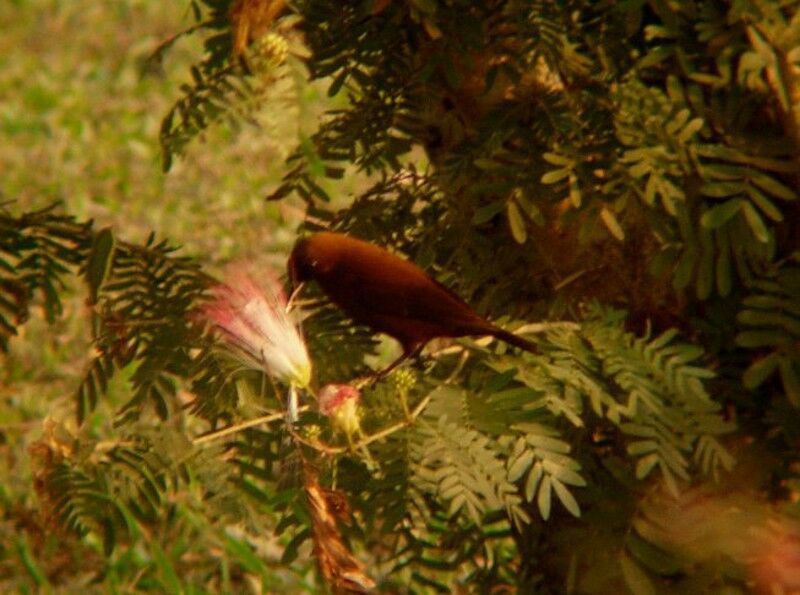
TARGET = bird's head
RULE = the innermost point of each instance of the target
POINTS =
(316, 256)
(299, 265)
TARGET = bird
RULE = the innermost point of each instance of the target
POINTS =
(387, 293)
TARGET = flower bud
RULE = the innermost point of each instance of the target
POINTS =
(339, 402)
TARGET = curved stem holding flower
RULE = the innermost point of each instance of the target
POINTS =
(317, 445)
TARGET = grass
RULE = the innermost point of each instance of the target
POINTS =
(79, 125)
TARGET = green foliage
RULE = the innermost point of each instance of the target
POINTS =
(140, 295)
(35, 253)
(483, 458)
(141, 315)
(630, 170)
(722, 223)
(490, 452)
(214, 95)
(460, 467)
(225, 87)
(648, 389)
(770, 321)
(338, 349)
(142, 298)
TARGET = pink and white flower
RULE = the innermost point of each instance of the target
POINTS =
(339, 402)
(252, 320)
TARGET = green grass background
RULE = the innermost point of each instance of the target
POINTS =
(79, 125)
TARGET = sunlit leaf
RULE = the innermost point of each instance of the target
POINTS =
(719, 214)
(99, 263)
(516, 222)
(791, 379)
(566, 497)
(612, 224)
(760, 370)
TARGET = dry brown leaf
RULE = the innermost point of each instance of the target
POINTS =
(341, 570)
(251, 19)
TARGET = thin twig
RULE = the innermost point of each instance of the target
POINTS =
(315, 444)
(335, 450)
(459, 366)
(396, 427)
(211, 436)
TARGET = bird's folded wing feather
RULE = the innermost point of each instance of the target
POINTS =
(409, 293)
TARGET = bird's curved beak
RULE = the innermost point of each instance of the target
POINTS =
(295, 283)
(293, 296)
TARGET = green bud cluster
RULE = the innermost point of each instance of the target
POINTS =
(268, 52)
(404, 380)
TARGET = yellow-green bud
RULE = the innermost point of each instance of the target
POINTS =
(268, 51)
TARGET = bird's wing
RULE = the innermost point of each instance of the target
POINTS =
(409, 293)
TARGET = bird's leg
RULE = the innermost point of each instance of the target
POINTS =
(380, 375)
(408, 352)
(373, 379)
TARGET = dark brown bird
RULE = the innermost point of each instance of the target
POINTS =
(388, 294)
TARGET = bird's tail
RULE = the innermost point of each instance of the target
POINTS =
(513, 339)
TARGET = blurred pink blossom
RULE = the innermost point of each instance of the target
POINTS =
(340, 403)
(740, 526)
(252, 320)
(775, 558)
(333, 396)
